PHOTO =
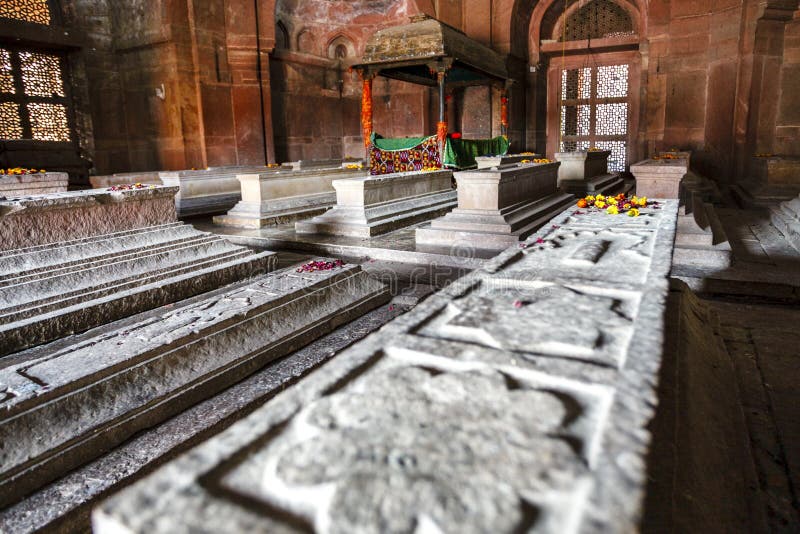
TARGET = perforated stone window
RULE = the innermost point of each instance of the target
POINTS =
(595, 111)
(33, 96)
(595, 20)
(37, 11)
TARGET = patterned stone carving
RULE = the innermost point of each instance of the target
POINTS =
(518, 399)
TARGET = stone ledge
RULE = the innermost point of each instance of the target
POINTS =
(33, 184)
(38, 220)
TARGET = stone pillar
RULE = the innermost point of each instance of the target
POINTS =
(441, 126)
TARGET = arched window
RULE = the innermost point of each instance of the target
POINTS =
(340, 47)
(597, 19)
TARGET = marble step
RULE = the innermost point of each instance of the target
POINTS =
(64, 255)
(53, 301)
(113, 269)
(68, 402)
(498, 230)
(93, 264)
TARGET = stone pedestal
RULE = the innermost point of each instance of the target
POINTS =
(270, 198)
(214, 190)
(582, 165)
(486, 162)
(497, 207)
(373, 205)
(125, 178)
(39, 220)
(18, 185)
(659, 178)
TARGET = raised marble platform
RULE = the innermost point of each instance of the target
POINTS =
(772, 180)
(497, 207)
(373, 205)
(65, 404)
(125, 178)
(786, 218)
(47, 292)
(521, 398)
(270, 198)
(17, 185)
(486, 162)
(38, 220)
(659, 178)
(582, 165)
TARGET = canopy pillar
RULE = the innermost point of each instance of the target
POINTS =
(366, 106)
(441, 126)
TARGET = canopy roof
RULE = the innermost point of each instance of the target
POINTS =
(414, 52)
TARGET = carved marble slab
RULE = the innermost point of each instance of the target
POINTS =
(63, 406)
(517, 399)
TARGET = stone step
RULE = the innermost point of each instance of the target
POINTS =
(90, 262)
(66, 403)
(66, 254)
(166, 265)
(45, 294)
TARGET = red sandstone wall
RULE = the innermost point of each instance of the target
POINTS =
(718, 76)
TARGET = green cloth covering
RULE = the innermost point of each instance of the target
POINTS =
(461, 153)
(394, 144)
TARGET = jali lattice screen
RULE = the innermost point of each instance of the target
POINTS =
(594, 111)
(33, 98)
(37, 11)
(595, 20)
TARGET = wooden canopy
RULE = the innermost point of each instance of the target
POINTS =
(415, 52)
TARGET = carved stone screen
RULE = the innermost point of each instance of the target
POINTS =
(595, 111)
(33, 98)
(36, 11)
(596, 20)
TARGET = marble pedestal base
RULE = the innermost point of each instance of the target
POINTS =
(271, 198)
(374, 205)
(497, 207)
(659, 178)
(582, 165)
(492, 230)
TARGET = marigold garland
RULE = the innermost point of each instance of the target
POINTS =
(21, 170)
(614, 205)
